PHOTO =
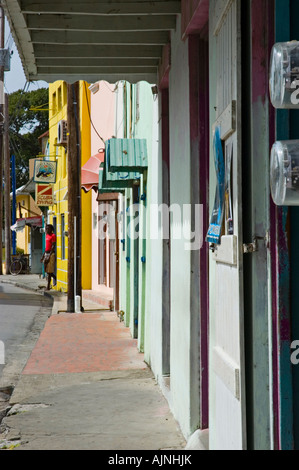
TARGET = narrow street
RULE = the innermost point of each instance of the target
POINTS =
(22, 317)
(55, 363)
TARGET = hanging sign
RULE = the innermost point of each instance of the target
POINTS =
(44, 195)
(45, 171)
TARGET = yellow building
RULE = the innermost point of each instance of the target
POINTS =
(26, 208)
(58, 214)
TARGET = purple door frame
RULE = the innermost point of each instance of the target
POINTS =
(194, 23)
(199, 144)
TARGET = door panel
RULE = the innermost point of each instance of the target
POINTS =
(227, 334)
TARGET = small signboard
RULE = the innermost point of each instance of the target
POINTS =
(45, 171)
(44, 195)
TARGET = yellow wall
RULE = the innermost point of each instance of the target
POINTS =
(28, 209)
(86, 198)
(23, 237)
(58, 112)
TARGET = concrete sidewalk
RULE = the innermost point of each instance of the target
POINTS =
(86, 387)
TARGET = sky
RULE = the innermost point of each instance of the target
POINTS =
(15, 79)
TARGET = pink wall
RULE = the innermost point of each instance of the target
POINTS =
(103, 105)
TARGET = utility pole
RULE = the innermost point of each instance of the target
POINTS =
(74, 196)
(2, 38)
(7, 202)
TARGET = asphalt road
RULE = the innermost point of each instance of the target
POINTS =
(22, 317)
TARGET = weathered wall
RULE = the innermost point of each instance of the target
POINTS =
(180, 193)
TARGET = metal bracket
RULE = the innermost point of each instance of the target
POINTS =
(250, 247)
(253, 247)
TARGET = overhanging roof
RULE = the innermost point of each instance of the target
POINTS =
(26, 190)
(91, 39)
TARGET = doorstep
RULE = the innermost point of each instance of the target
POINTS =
(103, 298)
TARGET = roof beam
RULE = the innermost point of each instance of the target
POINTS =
(94, 77)
(80, 52)
(96, 37)
(94, 23)
(91, 62)
(96, 70)
(102, 7)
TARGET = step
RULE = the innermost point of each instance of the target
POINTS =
(105, 300)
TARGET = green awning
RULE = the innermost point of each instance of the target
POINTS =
(127, 155)
(116, 182)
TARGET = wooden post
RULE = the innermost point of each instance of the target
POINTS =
(74, 193)
(7, 202)
(2, 26)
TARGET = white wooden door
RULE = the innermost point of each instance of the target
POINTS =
(227, 385)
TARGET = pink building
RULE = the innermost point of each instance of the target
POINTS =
(102, 113)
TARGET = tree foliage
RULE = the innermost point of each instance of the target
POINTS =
(26, 126)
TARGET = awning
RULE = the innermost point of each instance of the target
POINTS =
(116, 182)
(30, 221)
(127, 155)
(90, 172)
(26, 190)
(18, 226)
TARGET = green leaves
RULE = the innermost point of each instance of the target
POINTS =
(27, 123)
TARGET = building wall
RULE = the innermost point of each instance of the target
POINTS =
(86, 203)
(144, 108)
(135, 107)
(103, 109)
(180, 193)
(23, 237)
(58, 112)
(154, 253)
(120, 131)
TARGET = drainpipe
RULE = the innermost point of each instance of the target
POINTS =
(77, 230)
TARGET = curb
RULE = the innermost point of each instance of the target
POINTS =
(25, 287)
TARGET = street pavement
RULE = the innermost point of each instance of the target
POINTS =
(85, 386)
(22, 317)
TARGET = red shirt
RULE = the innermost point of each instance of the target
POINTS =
(50, 239)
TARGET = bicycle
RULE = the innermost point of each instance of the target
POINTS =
(18, 265)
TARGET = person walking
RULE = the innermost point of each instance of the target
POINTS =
(49, 257)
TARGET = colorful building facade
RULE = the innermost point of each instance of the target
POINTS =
(220, 321)
(58, 214)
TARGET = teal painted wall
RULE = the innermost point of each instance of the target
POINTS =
(137, 103)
